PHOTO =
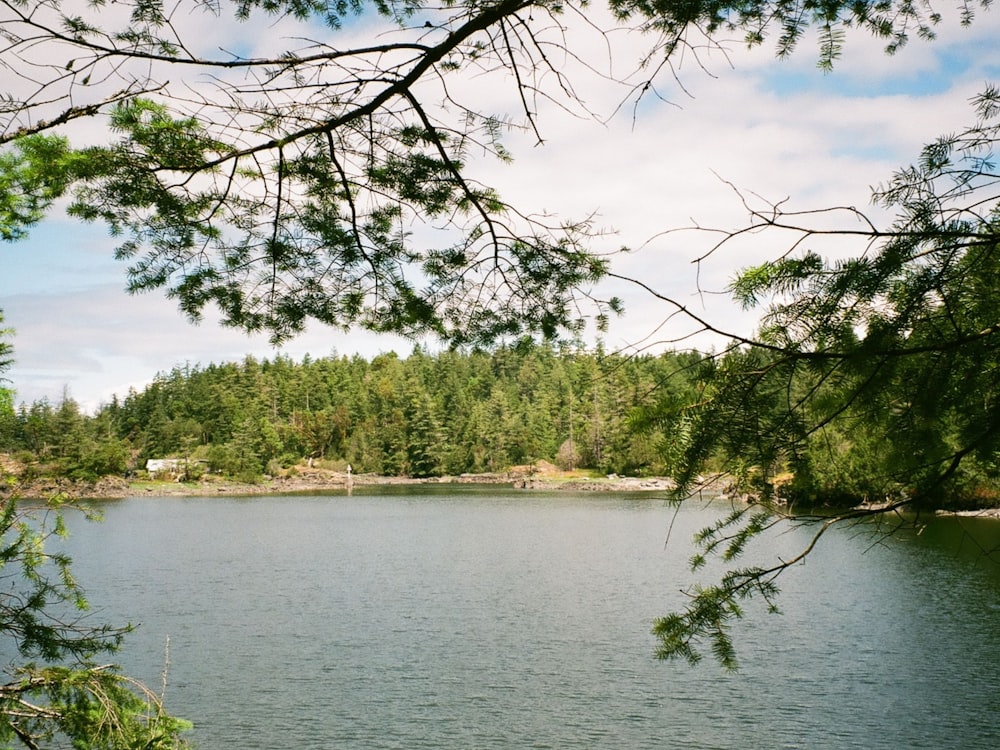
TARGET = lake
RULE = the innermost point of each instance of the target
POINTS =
(480, 618)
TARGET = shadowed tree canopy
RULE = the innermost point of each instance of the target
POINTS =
(321, 169)
(871, 392)
(874, 374)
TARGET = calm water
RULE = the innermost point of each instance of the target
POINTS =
(475, 619)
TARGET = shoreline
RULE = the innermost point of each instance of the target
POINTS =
(117, 488)
(321, 480)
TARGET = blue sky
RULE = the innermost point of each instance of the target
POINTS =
(777, 128)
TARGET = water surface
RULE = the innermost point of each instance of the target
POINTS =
(480, 618)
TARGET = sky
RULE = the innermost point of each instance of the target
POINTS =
(732, 126)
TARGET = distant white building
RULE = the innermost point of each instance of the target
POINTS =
(166, 465)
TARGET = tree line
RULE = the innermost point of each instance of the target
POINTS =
(422, 415)
(676, 414)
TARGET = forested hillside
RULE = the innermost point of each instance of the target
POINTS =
(422, 415)
(457, 412)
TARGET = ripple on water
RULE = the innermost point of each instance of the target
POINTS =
(510, 622)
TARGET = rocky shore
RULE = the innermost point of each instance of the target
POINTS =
(311, 480)
(304, 480)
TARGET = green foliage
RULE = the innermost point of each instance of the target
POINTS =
(713, 610)
(874, 382)
(426, 415)
(32, 175)
(60, 694)
(892, 21)
(100, 458)
(331, 12)
(94, 707)
(7, 416)
(710, 617)
(874, 376)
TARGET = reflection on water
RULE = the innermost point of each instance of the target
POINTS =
(472, 619)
